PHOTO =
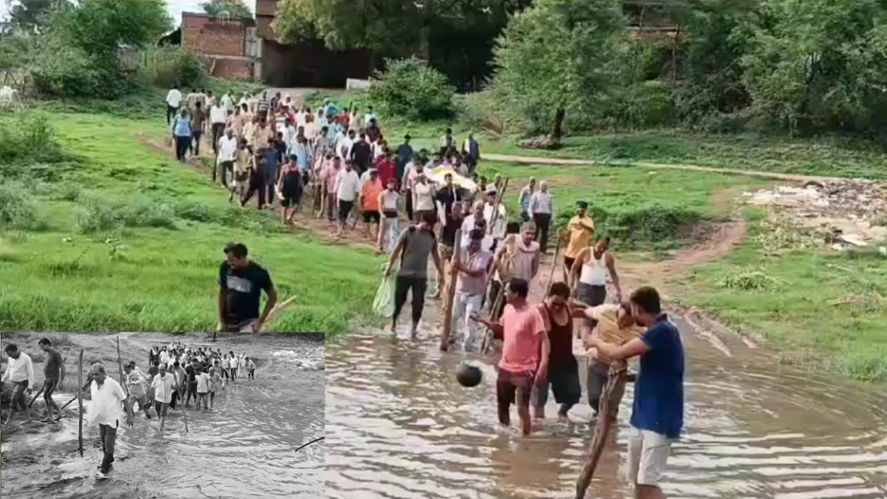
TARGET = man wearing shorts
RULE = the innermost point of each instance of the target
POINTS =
(657, 414)
(525, 353)
(581, 230)
(347, 184)
(21, 372)
(53, 373)
(163, 384)
(563, 370)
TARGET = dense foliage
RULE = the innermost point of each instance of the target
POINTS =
(410, 88)
(454, 36)
(796, 65)
(81, 49)
(171, 65)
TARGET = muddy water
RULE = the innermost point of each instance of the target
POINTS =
(244, 447)
(398, 425)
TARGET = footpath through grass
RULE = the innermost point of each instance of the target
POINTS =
(123, 238)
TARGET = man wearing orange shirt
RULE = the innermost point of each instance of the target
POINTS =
(581, 231)
(369, 203)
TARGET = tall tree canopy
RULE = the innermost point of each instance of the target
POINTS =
(31, 15)
(558, 55)
(454, 36)
(235, 9)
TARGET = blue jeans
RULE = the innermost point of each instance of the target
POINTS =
(182, 145)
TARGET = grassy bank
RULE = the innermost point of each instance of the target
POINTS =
(815, 307)
(123, 238)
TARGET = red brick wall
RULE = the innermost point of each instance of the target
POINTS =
(209, 36)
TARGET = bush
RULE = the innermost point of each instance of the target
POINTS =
(412, 89)
(29, 136)
(646, 224)
(18, 211)
(168, 66)
(103, 216)
(66, 71)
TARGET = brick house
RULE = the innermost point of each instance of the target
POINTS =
(248, 49)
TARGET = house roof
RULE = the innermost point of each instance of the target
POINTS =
(245, 21)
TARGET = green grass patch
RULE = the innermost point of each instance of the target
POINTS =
(131, 241)
(810, 305)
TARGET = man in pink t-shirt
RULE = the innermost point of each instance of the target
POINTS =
(525, 350)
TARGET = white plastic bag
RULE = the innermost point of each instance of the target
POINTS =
(383, 304)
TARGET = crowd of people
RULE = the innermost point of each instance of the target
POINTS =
(342, 162)
(176, 375)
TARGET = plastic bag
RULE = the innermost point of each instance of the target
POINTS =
(383, 304)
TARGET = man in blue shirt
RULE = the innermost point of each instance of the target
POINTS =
(658, 409)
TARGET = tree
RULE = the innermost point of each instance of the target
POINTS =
(234, 8)
(31, 15)
(443, 32)
(558, 55)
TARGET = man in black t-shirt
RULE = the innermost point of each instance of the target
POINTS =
(361, 154)
(191, 372)
(241, 282)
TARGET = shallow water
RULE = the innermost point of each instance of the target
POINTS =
(399, 425)
(244, 447)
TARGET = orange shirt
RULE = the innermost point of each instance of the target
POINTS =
(370, 195)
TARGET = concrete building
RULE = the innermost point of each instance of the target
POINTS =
(249, 49)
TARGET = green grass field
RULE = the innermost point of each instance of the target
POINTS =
(813, 307)
(131, 241)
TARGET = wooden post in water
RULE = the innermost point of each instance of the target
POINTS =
(451, 293)
(615, 381)
(80, 404)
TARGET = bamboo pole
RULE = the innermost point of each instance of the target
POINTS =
(73, 398)
(451, 293)
(80, 404)
(615, 380)
(35, 397)
(128, 402)
(557, 250)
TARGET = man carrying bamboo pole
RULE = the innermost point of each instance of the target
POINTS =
(105, 411)
(53, 373)
(658, 409)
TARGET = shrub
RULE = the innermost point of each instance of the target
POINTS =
(646, 224)
(412, 89)
(18, 211)
(29, 136)
(102, 216)
(196, 211)
(168, 66)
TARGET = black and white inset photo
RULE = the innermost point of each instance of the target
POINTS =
(146, 415)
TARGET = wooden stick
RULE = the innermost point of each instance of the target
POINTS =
(128, 402)
(451, 293)
(74, 397)
(80, 404)
(276, 310)
(487, 341)
(557, 250)
(309, 443)
(35, 397)
(616, 379)
(499, 196)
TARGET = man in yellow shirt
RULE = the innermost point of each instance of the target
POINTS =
(581, 232)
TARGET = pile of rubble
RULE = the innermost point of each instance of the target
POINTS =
(847, 212)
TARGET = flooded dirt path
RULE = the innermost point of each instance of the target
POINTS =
(243, 447)
(399, 425)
